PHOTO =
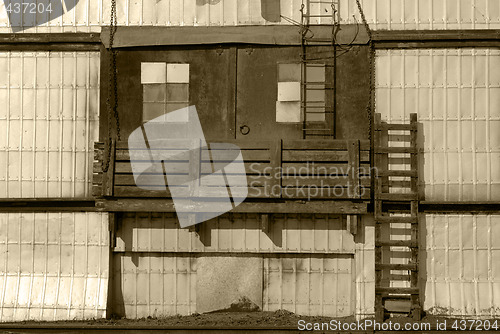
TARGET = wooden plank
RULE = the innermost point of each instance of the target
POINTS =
(395, 266)
(320, 193)
(398, 138)
(321, 156)
(183, 155)
(394, 219)
(314, 144)
(398, 161)
(309, 207)
(318, 169)
(398, 127)
(258, 168)
(401, 173)
(385, 150)
(397, 197)
(353, 150)
(389, 290)
(108, 177)
(322, 182)
(397, 184)
(397, 243)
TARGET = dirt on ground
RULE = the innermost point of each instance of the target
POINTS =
(227, 319)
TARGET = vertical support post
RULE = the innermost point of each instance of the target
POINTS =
(377, 182)
(195, 153)
(416, 308)
(108, 178)
(353, 172)
(274, 185)
(265, 223)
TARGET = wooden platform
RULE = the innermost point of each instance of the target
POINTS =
(302, 170)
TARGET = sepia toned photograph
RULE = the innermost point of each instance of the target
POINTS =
(249, 166)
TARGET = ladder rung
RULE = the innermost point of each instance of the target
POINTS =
(400, 127)
(396, 219)
(395, 266)
(383, 150)
(401, 291)
(312, 39)
(396, 277)
(330, 16)
(397, 243)
(396, 197)
(408, 173)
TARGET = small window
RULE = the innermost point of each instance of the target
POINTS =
(294, 105)
(165, 88)
(288, 108)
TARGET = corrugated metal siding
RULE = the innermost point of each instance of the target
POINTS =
(306, 261)
(309, 285)
(54, 266)
(154, 284)
(462, 265)
(48, 123)
(89, 15)
(157, 232)
(456, 94)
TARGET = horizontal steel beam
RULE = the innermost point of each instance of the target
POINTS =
(51, 42)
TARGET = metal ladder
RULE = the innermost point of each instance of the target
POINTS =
(311, 127)
(396, 229)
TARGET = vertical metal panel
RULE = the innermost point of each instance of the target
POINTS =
(309, 285)
(154, 284)
(240, 233)
(456, 94)
(364, 259)
(90, 15)
(48, 123)
(54, 266)
(463, 265)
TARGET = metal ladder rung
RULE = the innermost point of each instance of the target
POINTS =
(330, 16)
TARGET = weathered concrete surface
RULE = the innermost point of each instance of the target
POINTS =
(225, 282)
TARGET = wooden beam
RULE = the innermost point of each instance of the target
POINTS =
(353, 171)
(263, 35)
(406, 39)
(50, 42)
(165, 205)
(47, 205)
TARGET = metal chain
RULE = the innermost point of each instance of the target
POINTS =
(370, 105)
(112, 88)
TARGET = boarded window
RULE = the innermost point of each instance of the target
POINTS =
(288, 109)
(165, 88)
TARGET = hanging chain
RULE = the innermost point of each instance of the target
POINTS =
(371, 102)
(112, 98)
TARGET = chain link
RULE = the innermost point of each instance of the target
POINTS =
(112, 106)
(371, 102)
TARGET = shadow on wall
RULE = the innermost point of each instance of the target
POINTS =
(270, 9)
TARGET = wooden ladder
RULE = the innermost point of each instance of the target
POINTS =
(396, 229)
